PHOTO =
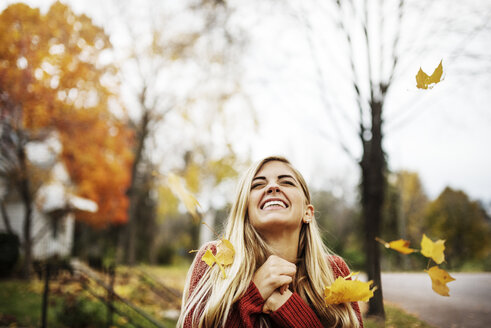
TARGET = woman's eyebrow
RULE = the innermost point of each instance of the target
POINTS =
(286, 176)
(283, 176)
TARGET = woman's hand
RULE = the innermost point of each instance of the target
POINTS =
(273, 274)
(276, 300)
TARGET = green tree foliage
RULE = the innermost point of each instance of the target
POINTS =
(404, 208)
(339, 221)
(464, 225)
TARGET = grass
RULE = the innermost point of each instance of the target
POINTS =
(395, 318)
(71, 306)
(20, 302)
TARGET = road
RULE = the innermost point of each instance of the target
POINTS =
(469, 304)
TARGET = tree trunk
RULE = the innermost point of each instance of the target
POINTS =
(27, 200)
(131, 228)
(132, 194)
(373, 186)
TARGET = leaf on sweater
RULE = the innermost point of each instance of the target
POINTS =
(345, 290)
(423, 81)
(433, 250)
(177, 186)
(439, 280)
(224, 255)
(401, 245)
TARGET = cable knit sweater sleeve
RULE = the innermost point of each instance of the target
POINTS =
(296, 313)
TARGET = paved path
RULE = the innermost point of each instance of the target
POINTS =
(469, 304)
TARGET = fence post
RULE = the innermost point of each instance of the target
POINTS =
(45, 295)
(110, 296)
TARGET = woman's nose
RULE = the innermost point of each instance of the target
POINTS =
(273, 188)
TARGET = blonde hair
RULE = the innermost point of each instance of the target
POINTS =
(211, 301)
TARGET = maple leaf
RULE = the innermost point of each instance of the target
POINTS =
(224, 255)
(439, 280)
(176, 185)
(401, 245)
(423, 80)
(345, 290)
(433, 250)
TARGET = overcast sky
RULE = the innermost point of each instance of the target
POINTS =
(445, 135)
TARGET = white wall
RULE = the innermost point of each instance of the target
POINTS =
(46, 244)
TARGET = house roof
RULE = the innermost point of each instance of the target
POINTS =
(55, 196)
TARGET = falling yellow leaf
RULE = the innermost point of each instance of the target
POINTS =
(224, 255)
(423, 80)
(433, 250)
(189, 201)
(225, 252)
(344, 290)
(401, 245)
(439, 280)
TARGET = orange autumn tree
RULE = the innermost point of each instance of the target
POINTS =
(52, 78)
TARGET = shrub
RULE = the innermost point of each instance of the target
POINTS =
(80, 313)
(9, 253)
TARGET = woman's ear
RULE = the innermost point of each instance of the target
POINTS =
(308, 214)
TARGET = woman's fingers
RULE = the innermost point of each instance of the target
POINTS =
(283, 289)
(289, 270)
(273, 274)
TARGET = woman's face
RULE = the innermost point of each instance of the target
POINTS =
(277, 203)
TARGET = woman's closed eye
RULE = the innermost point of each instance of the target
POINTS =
(262, 184)
(288, 182)
(259, 184)
(256, 185)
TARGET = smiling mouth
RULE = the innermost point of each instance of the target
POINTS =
(274, 204)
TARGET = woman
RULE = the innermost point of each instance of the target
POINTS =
(281, 265)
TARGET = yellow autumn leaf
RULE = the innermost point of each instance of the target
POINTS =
(439, 280)
(209, 258)
(225, 252)
(344, 290)
(224, 255)
(176, 185)
(433, 250)
(401, 245)
(423, 80)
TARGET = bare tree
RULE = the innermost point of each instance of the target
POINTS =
(162, 43)
(373, 44)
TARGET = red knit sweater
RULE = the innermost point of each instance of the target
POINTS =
(294, 313)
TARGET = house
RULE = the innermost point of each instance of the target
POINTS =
(52, 229)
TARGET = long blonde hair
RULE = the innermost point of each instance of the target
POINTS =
(211, 301)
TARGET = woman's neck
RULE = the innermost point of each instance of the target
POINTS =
(285, 247)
